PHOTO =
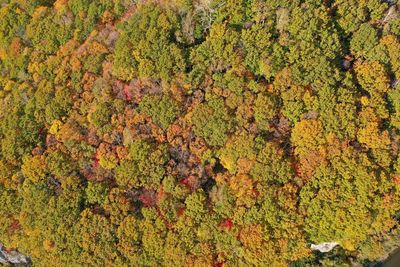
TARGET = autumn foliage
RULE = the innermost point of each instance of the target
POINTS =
(199, 133)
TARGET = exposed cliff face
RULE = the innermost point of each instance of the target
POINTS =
(13, 257)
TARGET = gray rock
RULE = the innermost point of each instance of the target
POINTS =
(324, 247)
(13, 257)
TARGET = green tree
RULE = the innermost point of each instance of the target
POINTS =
(212, 122)
(45, 32)
(144, 166)
(162, 109)
(148, 39)
(364, 40)
(272, 166)
(265, 107)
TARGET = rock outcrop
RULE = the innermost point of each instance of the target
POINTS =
(13, 257)
(324, 247)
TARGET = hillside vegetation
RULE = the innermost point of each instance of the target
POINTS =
(199, 133)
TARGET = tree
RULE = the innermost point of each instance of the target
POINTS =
(258, 50)
(351, 14)
(264, 110)
(392, 46)
(147, 47)
(96, 193)
(97, 234)
(101, 116)
(162, 109)
(337, 109)
(117, 205)
(306, 136)
(60, 164)
(143, 167)
(129, 238)
(195, 206)
(271, 166)
(46, 34)
(240, 147)
(312, 60)
(364, 40)
(12, 23)
(212, 122)
(216, 54)
(394, 96)
(34, 168)
(341, 193)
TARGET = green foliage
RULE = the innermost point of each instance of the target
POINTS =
(342, 193)
(60, 164)
(217, 53)
(101, 116)
(129, 238)
(257, 46)
(86, 14)
(47, 32)
(341, 102)
(144, 166)
(239, 147)
(264, 110)
(19, 129)
(307, 135)
(96, 193)
(394, 96)
(126, 174)
(12, 23)
(364, 40)
(147, 46)
(212, 122)
(97, 234)
(231, 81)
(162, 109)
(93, 63)
(11, 208)
(272, 166)
(195, 206)
(315, 48)
(352, 13)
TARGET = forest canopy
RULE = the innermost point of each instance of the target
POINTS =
(199, 133)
